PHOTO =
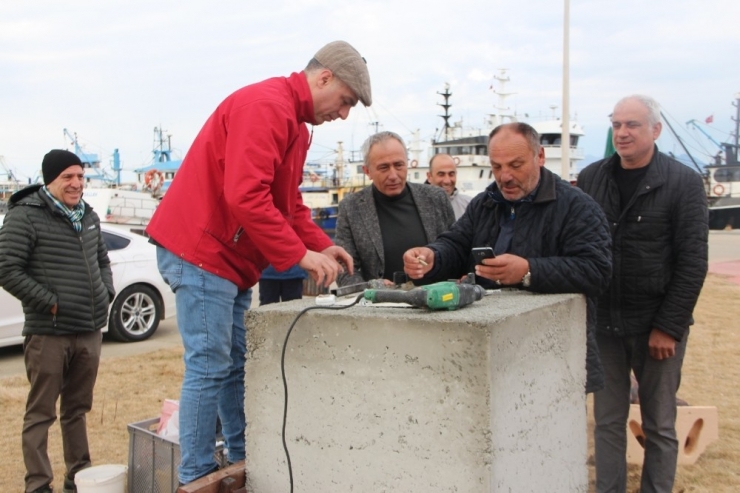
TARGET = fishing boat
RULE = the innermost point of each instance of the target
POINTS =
(721, 177)
(723, 181)
(325, 185)
(158, 175)
(114, 201)
(95, 174)
(469, 146)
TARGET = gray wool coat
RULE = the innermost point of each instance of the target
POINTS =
(358, 228)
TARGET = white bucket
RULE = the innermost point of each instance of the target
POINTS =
(108, 478)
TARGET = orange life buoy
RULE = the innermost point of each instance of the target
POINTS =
(153, 180)
(414, 163)
(718, 189)
(456, 160)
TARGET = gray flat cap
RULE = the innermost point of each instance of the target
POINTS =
(346, 63)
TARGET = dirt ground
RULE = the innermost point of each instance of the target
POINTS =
(131, 389)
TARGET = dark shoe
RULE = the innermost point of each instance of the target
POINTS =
(69, 486)
(44, 489)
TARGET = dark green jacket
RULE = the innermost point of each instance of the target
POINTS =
(44, 261)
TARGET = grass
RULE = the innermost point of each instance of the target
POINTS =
(132, 389)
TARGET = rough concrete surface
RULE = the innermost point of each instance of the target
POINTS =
(487, 398)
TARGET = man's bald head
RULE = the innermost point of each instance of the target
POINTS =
(443, 172)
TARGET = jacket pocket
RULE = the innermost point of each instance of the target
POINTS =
(170, 267)
(223, 227)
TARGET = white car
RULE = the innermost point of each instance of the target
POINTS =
(142, 296)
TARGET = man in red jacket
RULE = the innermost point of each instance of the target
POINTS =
(233, 208)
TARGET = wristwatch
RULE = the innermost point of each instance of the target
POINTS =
(527, 279)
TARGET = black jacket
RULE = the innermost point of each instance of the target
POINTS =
(44, 261)
(563, 235)
(659, 247)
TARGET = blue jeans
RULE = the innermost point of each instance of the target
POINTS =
(210, 317)
(658, 383)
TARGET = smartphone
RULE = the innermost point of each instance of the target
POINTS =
(480, 253)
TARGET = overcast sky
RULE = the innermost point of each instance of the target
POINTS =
(110, 71)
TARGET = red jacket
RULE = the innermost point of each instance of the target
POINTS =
(234, 205)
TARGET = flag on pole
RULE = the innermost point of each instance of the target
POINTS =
(709, 119)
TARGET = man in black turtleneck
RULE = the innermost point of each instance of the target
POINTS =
(657, 211)
(378, 224)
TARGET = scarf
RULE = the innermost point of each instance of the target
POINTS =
(74, 215)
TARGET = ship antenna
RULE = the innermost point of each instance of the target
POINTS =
(731, 151)
(446, 105)
(501, 112)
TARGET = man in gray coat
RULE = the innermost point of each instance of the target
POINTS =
(53, 258)
(379, 223)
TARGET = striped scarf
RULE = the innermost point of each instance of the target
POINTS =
(74, 215)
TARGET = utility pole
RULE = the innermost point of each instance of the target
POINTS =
(375, 124)
(736, 104)
(565, 121)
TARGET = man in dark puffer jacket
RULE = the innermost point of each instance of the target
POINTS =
(657, 209)
(53, 259)
(549, 237)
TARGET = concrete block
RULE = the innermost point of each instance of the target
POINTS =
(489, 398)
(696, 428)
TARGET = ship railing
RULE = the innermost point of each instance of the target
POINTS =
(322, 182)
(556, 150)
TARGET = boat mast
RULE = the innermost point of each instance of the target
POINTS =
(161, 153)
(446, 105)
(501, 112)
(731, 150)
(680, 141)
(339, 167)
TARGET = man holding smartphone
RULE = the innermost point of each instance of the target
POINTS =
(547, 236)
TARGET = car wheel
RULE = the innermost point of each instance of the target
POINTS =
(135, 314)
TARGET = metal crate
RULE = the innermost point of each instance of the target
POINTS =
(153, 460)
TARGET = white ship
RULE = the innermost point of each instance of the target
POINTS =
(469, 146)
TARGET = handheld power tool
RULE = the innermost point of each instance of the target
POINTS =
(447, 295)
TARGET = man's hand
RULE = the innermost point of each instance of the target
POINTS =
(340, 255)
(661, 345)
(418, 261)
(504, 270)
(324, 267)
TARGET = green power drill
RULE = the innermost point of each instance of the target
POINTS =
(447, 295)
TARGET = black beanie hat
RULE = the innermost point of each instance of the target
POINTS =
(56, 161)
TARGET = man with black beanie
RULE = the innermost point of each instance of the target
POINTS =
(53, 258)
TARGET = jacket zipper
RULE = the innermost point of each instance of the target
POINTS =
(89, 276)
(238, 234)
